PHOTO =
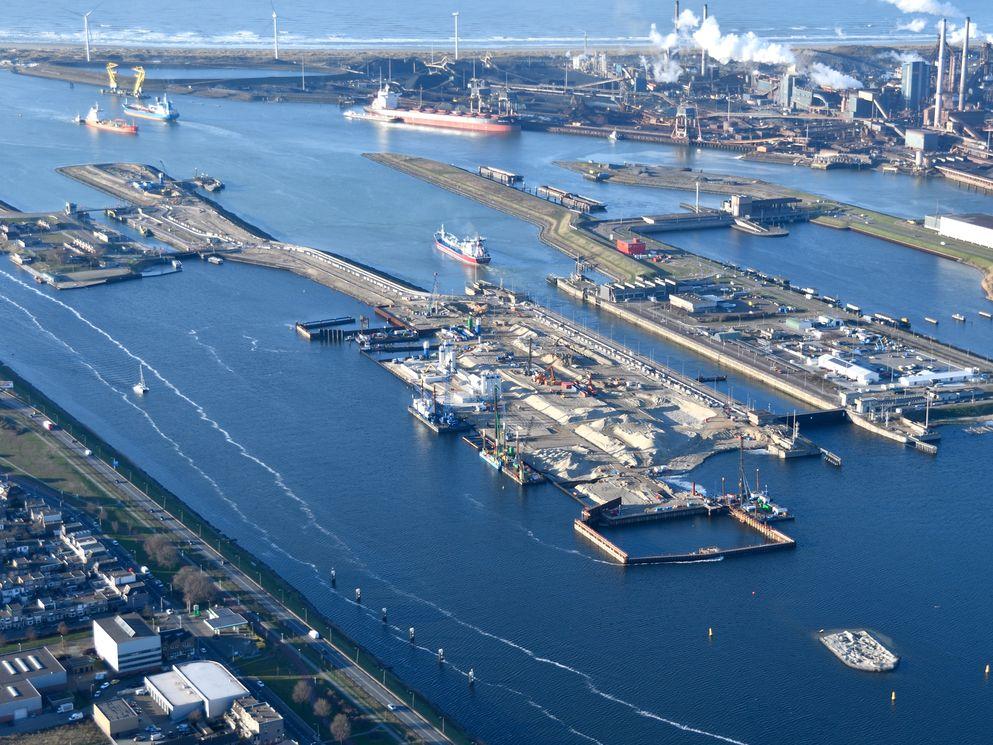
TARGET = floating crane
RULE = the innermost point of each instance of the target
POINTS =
(139, 80)
(111, 77)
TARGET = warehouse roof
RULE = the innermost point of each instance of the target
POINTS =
(979, 219)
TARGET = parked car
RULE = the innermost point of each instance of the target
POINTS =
(76, 716)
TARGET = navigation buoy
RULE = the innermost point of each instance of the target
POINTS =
(383, 615)
(987, 669)
(441, 655)
(892, 697)
(710, 632)
(334, 578)
(410, 634)
(358, 594)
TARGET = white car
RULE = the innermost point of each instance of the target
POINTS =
(76, 716)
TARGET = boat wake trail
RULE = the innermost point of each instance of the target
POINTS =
(586, 677)
(212, 351)
(201, 413)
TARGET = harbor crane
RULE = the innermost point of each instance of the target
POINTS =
(433, 300)
(111, 77)
(139, 80)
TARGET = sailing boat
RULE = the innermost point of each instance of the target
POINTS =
(140, 388)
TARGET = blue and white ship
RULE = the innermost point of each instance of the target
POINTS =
(161, 109)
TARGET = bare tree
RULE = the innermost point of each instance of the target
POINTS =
(341, 728)
(196, 586)
(302, 692)
(161, 550)
(322, 708)
(31, 635)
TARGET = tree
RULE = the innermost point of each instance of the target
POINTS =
(196, 586)
(302, 692)
(322, 708)
(341, 728)
(63, 629)
(161, 550)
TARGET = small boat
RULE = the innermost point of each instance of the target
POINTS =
(119, 126)
(613, 136)
(958, 317)
(931, 320)
(140, 388)
(986, 314)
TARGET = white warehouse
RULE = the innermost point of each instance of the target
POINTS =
(838, 366)
(206, 686)
(974, 227)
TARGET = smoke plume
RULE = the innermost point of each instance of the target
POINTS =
(828, 77)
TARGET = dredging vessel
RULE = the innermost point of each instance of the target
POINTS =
(160, 109)
(467, 250)
(92, 119)
(385, 107)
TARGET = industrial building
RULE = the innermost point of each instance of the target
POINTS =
(693, 303)
(220, 619)
(126, 643)
(207, 687)
(23, 676)
(115, 717)
(974, 227)
(255, 721)
(915, 82)
(844, 368)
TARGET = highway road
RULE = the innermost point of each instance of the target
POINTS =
(391, 707)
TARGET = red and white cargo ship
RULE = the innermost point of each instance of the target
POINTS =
(466, 250)
(92, 119)
(386, 108)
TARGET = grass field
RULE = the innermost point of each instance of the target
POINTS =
(80, 733)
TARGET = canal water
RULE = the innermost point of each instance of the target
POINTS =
(306, 454)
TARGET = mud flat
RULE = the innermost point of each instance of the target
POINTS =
(860, 650)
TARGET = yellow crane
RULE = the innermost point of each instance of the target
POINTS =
(111, 77)
(139, 79)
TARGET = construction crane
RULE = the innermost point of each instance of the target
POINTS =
(433, 300)
(139, 80)
(111, 77)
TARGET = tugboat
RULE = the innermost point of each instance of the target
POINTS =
(161, 109)
(467, 250)
(139, 388)
(92, 119)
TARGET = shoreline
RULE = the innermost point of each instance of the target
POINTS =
(262, 53)
(230, 548)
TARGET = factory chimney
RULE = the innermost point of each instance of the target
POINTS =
(941, 68)
(703, 51)
(965, 59)
(675, 18)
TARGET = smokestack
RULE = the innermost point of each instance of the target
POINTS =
(703, 52)
(965, 58)
(675, 18)
(941, 68)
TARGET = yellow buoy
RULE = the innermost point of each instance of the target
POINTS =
(892, 696)
(987, 668)
(710, 632)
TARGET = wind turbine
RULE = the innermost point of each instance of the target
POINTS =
(455, 15)
(275, 34)
(86, 32)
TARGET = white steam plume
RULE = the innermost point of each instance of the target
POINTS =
(828, 77)
(741, 48)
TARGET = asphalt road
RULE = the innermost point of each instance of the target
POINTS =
(201, 552)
